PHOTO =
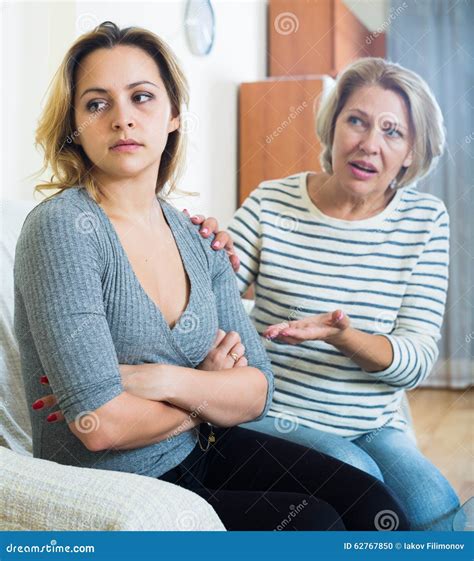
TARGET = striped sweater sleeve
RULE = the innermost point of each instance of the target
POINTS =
(417, 329)
(246, 232)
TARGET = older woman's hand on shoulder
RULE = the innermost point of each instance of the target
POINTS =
(222, 240)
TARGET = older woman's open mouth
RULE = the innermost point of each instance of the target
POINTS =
(362, 170)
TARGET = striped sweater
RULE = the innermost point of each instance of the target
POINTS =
(389, 273)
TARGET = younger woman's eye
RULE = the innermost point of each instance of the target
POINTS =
(96, 106)
(147, 96)
(354, 120)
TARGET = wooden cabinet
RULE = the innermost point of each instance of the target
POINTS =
(316, 37)
(277, 130)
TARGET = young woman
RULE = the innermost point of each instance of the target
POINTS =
(137, 324)
(351, 265)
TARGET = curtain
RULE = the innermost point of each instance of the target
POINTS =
(434, 38)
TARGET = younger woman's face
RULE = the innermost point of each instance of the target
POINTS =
(120, 96)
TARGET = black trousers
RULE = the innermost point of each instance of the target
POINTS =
(259, 482)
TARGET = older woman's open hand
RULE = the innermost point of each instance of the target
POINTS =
(323, 327)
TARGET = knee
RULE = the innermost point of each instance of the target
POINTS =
(356, 457)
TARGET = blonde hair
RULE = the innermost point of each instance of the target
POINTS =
(426, 119)
(56, 128)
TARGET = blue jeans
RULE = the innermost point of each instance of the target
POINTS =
(389, 455)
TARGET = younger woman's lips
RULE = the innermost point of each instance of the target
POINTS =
(126, 147)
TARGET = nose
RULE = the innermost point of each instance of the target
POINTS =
(370, 143)
(122, 119)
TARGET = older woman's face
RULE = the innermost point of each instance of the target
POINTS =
(120, 96)
(372, 141)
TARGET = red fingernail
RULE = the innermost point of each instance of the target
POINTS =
(38, 404)
(52, 417)
(44, 380)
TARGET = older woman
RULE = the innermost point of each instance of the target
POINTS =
(351, 265)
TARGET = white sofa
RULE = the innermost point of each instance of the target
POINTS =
(43, 495)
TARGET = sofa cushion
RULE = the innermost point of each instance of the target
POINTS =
(42, 495)
(15, 426)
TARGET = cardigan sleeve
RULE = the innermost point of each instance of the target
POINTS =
(59, 303)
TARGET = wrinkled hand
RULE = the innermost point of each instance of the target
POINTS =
(219, 357)
(326, 327)
(222, 239)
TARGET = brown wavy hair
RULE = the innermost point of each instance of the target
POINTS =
(56, 129)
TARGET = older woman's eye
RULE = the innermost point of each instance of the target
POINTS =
(394, 133)
(96, 106)
(147, 97)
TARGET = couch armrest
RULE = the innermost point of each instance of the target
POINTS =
(38, 494)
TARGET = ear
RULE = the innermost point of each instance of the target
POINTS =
(173, 124)
(408, 160)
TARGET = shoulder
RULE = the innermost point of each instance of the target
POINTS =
(214, 261)
(69, 207)
(422, 206)
(290, 184)
(62, 224)
(274, 193)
